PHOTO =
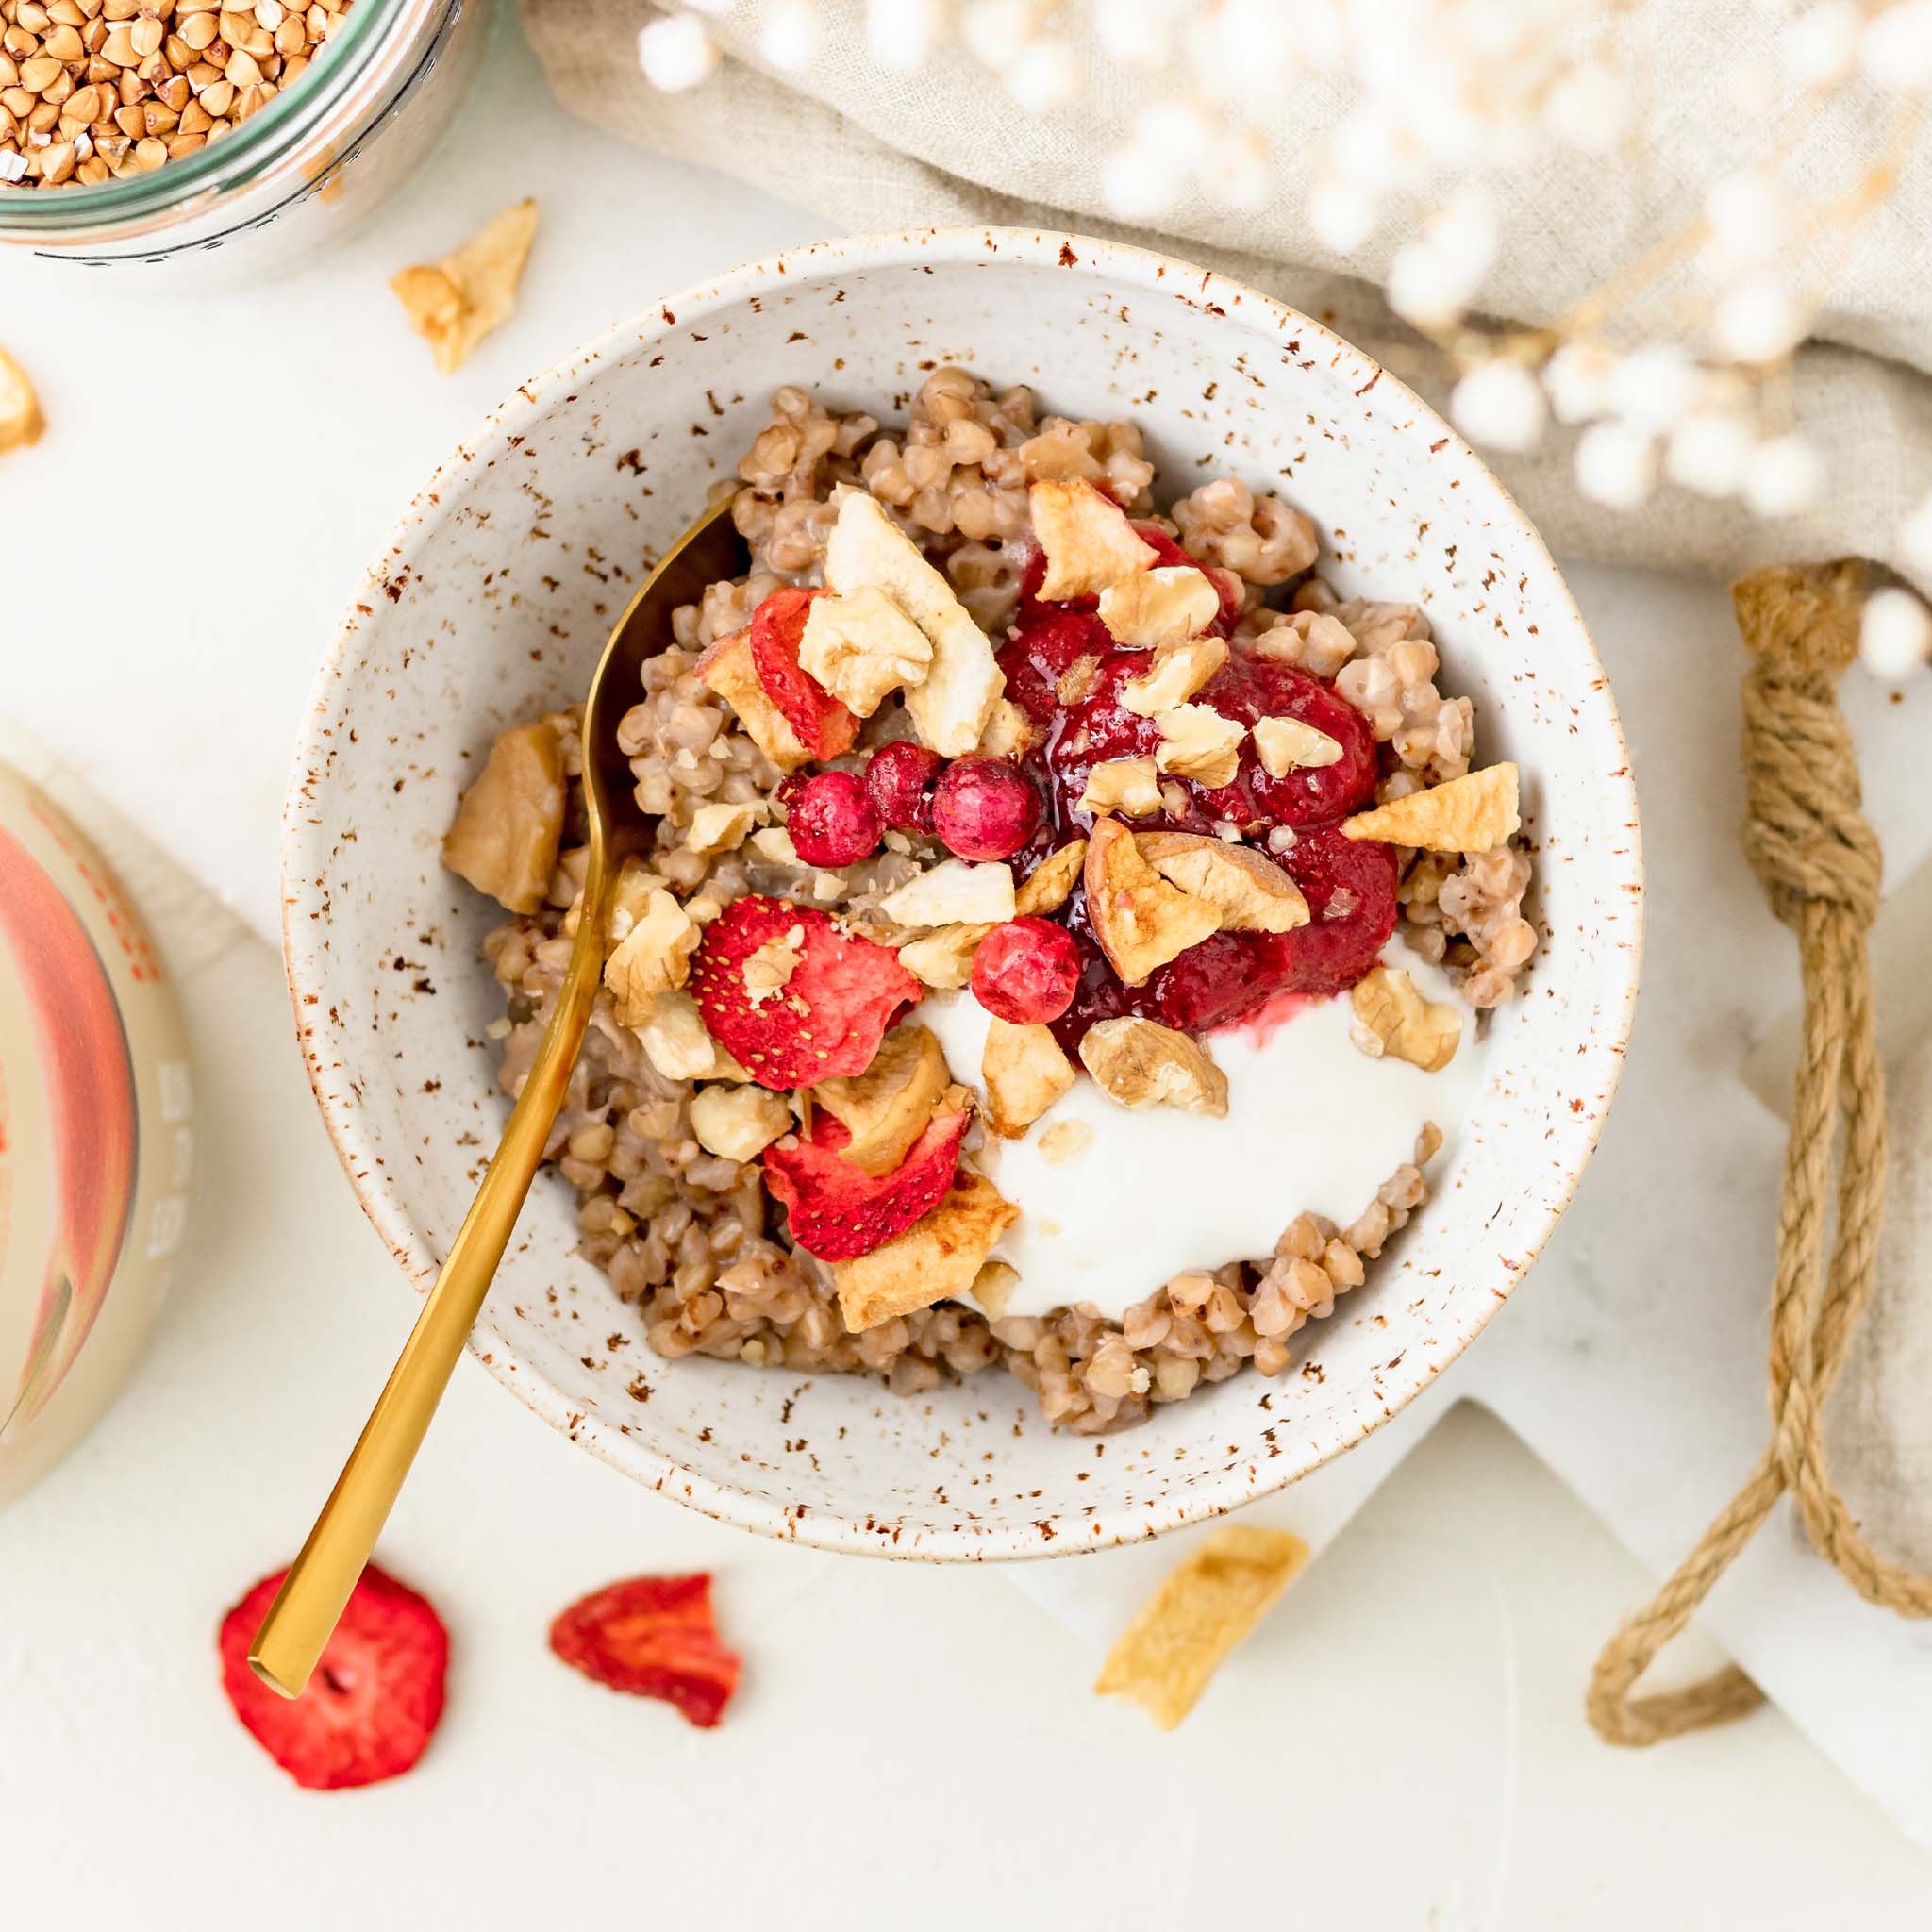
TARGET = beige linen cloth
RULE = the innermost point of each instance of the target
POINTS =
(874, 150)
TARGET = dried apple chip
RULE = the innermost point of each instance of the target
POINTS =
(1473, 813)
(1166, 1657)
(454, 304)
(938, 1258)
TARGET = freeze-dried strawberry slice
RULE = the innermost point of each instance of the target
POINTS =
(839, 1212)
(823, 726)
(813, 1007)
(653, 1636)
(370, 1709)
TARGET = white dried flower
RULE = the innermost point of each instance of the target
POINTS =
(1137, 33)
(1589, 108)
(995, 30)
(1749, 216)
(900, 33)
(1616, 464)
(676, 52)
(1821, 47)
(1758, 321)
(1433, 279)
(1499, 403)
(1342, 215)
(1653, 386)
(1043, 77)
(789, 36)
(1895, 47)
(1895, 635)
(1709, 452)
(1784, 477)
(1577, 378)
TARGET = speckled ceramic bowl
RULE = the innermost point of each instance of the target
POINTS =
(493, 599)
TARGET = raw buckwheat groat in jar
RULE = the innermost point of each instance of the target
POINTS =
(1069, 932)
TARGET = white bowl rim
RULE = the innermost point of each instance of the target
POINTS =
(303, 857)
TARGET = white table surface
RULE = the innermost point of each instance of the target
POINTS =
(1430, 1664)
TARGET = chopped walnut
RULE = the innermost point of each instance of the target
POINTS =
(1174, 676)
(738, 1122)
(1153, 608)
(1249, 890)
(505, 835)
(653, 958)
(943, 959)
(1391, 1017)
(1087, 541)
(955, 891)
(768, 971)
(721, 826)
(1198, 742)
(1141, 1063)
(1286, 745)
(1126, 785)
(1008, 733)
(680, 1046)
(1046, 887)
(862, 647)
(1140, 920)
(993, 1287)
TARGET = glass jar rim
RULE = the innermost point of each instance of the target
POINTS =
(135, 201)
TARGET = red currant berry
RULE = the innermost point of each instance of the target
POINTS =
(984, 808)
(1026, 971)
(899, 782)
(833, 822)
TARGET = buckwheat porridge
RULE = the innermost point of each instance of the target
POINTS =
(1069, 932)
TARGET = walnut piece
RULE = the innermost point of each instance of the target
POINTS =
(1154, 609)
(1046, 887)
(938, 1258)
(456, 303)
(953, 891)
(1024, 1072)
(653, 958)
(1174, 676)
(1140, 920)
(21, 422)
(1009, 732)
(1391, 1017)
(862, 647)
(1286, 745)
(680, 1046)
(721, 827)
(993, 1287)
(944, 958)
(1128, 785)
(951, 704)
(1086, 538)
(726, 668)
(1473, 813)
(767, 971)
(1246, 887)
(1141, 1063)
(888, 1107)
(505, 835)
(738, 1122)
(1198, 742)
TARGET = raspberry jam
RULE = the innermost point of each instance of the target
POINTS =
(1064, 671)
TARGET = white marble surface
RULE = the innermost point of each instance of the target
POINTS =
(1631, 1362)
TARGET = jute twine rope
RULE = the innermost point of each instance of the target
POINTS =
(1818, 861)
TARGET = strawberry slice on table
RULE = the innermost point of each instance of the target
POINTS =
(651, 1636)
(823, 726)
(838, 1211)
(835, 992)
(368, 1711)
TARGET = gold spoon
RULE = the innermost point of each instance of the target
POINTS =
(303, 1613)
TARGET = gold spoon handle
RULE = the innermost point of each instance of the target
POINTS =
(303, 1613)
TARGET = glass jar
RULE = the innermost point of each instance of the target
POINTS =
(96, 1134)
(290, 179)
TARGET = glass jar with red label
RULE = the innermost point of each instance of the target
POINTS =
(96, 1134)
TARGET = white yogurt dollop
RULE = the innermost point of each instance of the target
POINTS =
(1113, 1204)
